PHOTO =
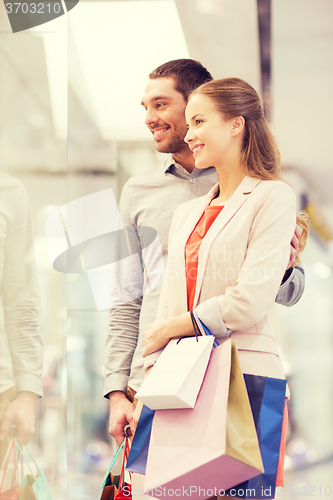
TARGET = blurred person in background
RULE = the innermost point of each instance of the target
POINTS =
(150, 199)
(21, 346)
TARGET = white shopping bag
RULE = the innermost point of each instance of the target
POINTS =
(176, 378)
(137, 481)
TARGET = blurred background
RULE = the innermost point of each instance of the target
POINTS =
(71, 124)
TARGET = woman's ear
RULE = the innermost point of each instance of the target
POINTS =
(237, 125)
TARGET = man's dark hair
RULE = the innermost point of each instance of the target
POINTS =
(187, 73)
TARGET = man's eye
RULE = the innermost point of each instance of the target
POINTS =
(160, 104)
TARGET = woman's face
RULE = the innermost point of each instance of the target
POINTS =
(209, 136)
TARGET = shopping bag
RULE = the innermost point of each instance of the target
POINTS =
(109, 490)
(26, 489)
(176, 378)
(10, 494)
(8, 475)
(124, 490)
(213, 445)
(32, 486)
(267, 399)
(137, 459)
(137, 482)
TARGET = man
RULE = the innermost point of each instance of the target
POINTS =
(150, 199)
(20, 331)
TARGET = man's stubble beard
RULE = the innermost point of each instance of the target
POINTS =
(174, 146)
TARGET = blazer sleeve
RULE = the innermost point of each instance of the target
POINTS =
(251, 298)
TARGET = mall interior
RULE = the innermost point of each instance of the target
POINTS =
(71, 125)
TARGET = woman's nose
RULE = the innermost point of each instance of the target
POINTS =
(188, 136)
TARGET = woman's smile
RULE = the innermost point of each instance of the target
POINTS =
(195, 149)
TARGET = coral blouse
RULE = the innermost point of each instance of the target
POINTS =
(192, 249)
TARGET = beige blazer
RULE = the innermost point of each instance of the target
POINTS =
(242, 260)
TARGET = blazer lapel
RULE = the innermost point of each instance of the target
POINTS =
(182, 237)
(195, 214)
(232, 206)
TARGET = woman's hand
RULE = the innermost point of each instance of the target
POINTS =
(155, 337)
(158, 335)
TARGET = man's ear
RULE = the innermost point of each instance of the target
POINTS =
(237, 125)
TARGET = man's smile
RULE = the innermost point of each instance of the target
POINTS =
(159, 131)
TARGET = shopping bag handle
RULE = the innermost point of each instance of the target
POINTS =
(195, 328)
(113, 461)
(17, 457)
(26, 461)
(207, 331)
(195, 319)
(122, 471)
(6, 461)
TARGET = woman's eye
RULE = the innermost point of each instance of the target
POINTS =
(198, 122)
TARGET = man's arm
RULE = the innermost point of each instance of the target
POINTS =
(122, 336)
(123, 329)
(22, 312)
(121, 342)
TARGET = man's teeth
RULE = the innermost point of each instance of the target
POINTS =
(160, 131)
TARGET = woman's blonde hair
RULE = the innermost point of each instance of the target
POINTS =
(260, 158)
(302, 220)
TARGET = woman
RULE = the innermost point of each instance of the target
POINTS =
(228, 250)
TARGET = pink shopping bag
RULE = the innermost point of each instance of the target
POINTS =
(213, 446)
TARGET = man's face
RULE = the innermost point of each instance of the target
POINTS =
(165, 115)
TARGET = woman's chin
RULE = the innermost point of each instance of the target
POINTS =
(200, 164)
